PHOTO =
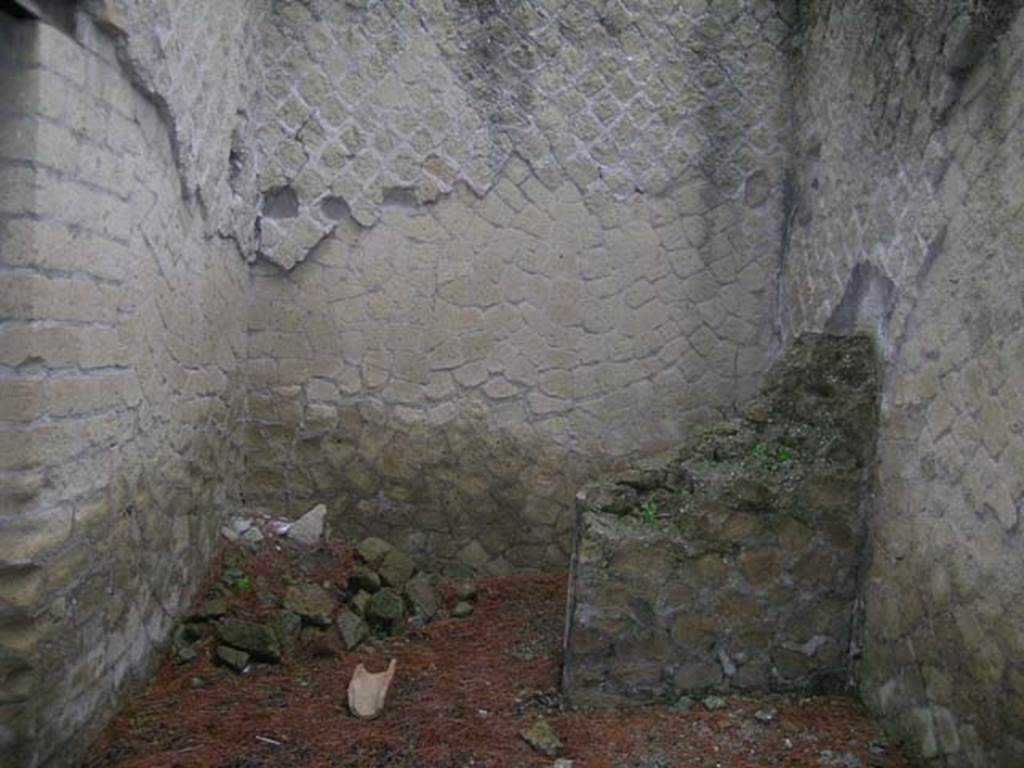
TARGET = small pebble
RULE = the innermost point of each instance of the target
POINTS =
(465, 591)
(233, 658)
(711, 703)
(683, 704)
(462, 610)
(198, 682)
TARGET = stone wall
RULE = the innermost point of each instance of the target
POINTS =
(498, 247)
(909, 220)
(732, 562)
(121, 337)
(503, 244)
(194, 60)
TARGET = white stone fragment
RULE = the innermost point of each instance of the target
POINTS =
(310, 527)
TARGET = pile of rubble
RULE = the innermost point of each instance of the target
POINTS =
(383, 593)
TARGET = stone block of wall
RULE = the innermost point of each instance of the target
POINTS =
(732, 563)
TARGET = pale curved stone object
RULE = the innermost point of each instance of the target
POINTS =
(367, 691)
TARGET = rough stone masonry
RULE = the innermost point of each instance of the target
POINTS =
(731, 564)
(436, 263)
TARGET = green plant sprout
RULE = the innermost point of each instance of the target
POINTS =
(768, 458)
(649, 511)
(235, 578)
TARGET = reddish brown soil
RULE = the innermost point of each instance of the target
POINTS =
(464, 690)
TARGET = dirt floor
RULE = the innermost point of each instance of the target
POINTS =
(465, 689)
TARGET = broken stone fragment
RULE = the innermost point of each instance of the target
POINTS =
(384, 611)
(235, 528)
(542, 737)
(286, 626)
(462, 609)
(352, 630)
(372, 550)
(213, 608)
(396, 568)
(309, 528)
(359, 602)
(191, 631)
(683, 704)
(187, 633)
(185, 655)
(421, 597)
(258, 640)
(279, 527)
(466, 591)
(368, 690)
(252, 536)
(310, 601)
(711, 703)
(233, 658)
(363, 579)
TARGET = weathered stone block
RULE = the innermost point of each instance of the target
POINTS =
(259, 640)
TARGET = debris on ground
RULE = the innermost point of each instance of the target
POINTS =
(233, 658)
(467, 691)
(421, 598)
(256, 639)
(364, 580)
(372, 550)
(368, 690)
(385, 610)
(309, 528)
(351, 629)
(542, 737)
(683, 704)
(312, 602)
(466, 592)
(712, 703)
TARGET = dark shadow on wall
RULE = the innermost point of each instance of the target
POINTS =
(867, 303)
(59, 13)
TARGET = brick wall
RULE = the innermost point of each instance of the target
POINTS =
(120, 339)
